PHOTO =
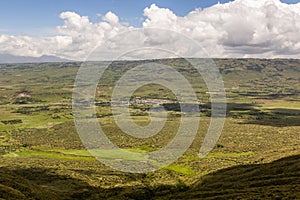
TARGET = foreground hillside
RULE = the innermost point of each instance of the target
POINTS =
(279, 179)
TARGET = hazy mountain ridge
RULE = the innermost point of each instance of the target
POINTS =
(8, 58)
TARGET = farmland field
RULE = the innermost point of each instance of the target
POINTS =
(257, 155)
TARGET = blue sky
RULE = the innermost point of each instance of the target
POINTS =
(40, 17)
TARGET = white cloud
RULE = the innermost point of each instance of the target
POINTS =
(242, 28)
(111, 18)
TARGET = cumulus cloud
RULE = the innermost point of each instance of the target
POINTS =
(242, 28)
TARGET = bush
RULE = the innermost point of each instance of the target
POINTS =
(13, 121)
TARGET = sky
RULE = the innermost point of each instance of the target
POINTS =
(36, 17)
(240, 28)
(30, 16)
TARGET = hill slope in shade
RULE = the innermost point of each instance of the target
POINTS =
(279, 179)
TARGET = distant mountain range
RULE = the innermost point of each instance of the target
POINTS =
(8, 58)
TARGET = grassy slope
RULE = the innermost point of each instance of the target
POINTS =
(44, 153)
